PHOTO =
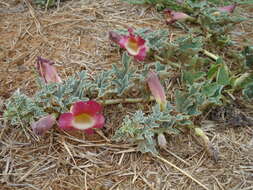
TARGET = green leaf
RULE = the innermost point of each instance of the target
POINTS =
(123, 76)
(191, 76)
(212, 71)
(103, 81)
(186, 104)
(248, 2)
(243, 81)
(248, 92)
(22, 110)
(145, 146)
(223, 75)
(160, 67)
(139, 2)
(210, 89)
(190, 43)
(248, 53)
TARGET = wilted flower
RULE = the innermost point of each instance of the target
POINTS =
(47, 70)
(157, 89)
(115, 37)
(83, 116)
(135, 45)
(229, 8)
(41, 126)
(173, 16)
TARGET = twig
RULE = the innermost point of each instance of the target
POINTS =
(219, 184)
(116, 184)
(182, 171)
(209, 54)
(4, 127)
(146, 181)
(32, 12)
(176, 156)
(30, 171)
(68, 150)
(102, 135)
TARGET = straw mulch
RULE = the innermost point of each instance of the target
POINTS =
(75, 36)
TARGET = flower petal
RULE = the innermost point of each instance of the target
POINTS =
(89, 131)
(132, 46)
(140, 41)
(47, 71)
(123, 41)
(41, 126)
(90, 107)
(99, 121)
(157, 89)
(142, 54)
(65, 121)
(83, 121)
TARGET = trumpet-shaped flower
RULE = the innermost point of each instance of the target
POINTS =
(83, 116)
(173, 16)
(47, 70)
(41, 126)
(157, 89)
(135, 45)
(228, 9)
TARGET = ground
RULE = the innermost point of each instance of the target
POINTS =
(75, 36)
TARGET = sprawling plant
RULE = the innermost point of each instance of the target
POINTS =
(149, 61)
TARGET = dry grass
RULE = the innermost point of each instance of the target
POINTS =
(75, 36)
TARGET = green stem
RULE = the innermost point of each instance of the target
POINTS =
(125, 100)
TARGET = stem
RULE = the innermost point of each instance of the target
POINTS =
(168, 62)
(211, 55)
(125, 100)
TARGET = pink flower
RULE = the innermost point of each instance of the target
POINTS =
(157, 89)
(41, 126)
(47, 70)
(173, 16)
(135, 45)
(228, 9)
(83, 116)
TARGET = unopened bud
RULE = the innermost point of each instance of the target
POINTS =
(162, 142)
